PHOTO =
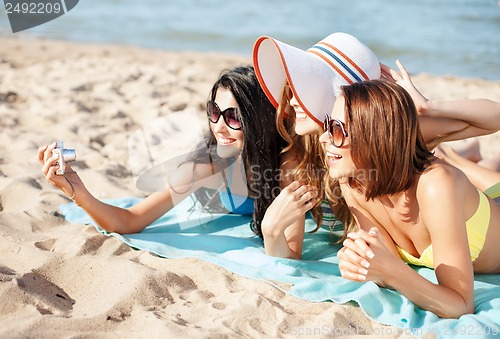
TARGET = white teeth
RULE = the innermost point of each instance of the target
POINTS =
(224, 141)
(332, 155)
(300, 116)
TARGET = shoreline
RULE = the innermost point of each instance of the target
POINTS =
(21, 52)
(64, 279)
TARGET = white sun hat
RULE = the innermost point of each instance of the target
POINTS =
(315, 75)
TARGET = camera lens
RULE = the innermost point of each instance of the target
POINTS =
(69, 154)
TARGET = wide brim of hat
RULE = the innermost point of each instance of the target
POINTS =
(310, 79)
(316, 75)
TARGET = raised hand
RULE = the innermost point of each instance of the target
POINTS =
(70, 183)
(292, 202)
(403, 79)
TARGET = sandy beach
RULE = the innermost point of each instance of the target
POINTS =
(60, 280)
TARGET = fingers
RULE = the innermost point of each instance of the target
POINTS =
(357, 258)
(391, 74)
(370, 237)
(48, 151)
(348, 267)
(41, 153)
(292, 187)
(300, 193)
(401, 67)
(45, 152)
(357, 251)
(305, 193)
(386, 72)
(45, 157)
(61, 182)
(373, 232)
(353, 276)
(352, 272)
(403, 70)
(50, 166)
(49, 169)
(383, 67)
(296, 186)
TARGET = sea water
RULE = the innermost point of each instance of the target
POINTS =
(442, 37)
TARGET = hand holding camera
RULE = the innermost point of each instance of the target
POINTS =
(54, 159)
(65, 155)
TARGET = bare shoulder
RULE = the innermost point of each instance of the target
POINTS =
(439, 181)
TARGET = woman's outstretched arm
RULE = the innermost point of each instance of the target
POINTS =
(108, 217)
(460, 119)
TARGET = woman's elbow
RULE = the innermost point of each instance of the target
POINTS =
(457, 312)
(296, 256)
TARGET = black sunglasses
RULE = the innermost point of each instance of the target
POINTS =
(229, 115)
(336, 131)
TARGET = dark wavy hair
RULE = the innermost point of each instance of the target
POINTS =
(261, 147)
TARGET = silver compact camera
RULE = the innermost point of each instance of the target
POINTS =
(65, 155)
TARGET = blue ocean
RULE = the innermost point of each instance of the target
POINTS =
(442, 37)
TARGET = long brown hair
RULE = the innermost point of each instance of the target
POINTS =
(385, 136)
(305, 149)
(385, 140)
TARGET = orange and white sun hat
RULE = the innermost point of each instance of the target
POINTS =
(315, 75)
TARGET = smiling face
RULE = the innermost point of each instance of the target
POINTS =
(304, 125)
(338, 159)
(229, 141)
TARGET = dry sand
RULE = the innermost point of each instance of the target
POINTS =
(60, 280)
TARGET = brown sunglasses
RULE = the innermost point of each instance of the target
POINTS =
(336, 131)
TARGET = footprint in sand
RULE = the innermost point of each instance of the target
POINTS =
(34, 289)
(6, 274)
(46, 245)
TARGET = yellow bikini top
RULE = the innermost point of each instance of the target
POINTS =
(477, 226)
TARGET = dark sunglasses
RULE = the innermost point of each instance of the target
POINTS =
(336, 131)
(229, 115)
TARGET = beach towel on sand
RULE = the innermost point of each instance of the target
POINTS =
(227, 241)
